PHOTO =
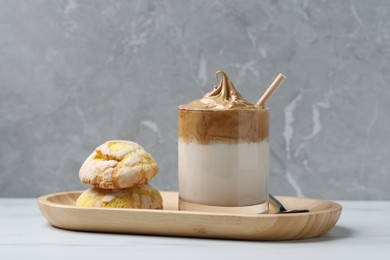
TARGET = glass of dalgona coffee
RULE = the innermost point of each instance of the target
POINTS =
(223, 153)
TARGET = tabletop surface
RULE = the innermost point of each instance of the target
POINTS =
(362, 231)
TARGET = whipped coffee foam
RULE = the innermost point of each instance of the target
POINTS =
(222, 97)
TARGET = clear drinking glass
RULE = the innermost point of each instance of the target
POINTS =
(223, 160)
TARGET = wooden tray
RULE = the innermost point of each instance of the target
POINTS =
(59, 209)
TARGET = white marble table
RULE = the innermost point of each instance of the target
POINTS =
(363, 232)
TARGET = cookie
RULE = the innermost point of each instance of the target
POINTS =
(118, 164)
(140, 197)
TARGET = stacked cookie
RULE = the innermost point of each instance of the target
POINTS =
(119, 171)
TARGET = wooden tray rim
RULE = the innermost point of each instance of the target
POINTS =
(44, 200)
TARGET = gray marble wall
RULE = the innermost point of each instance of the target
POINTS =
(74, 74)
